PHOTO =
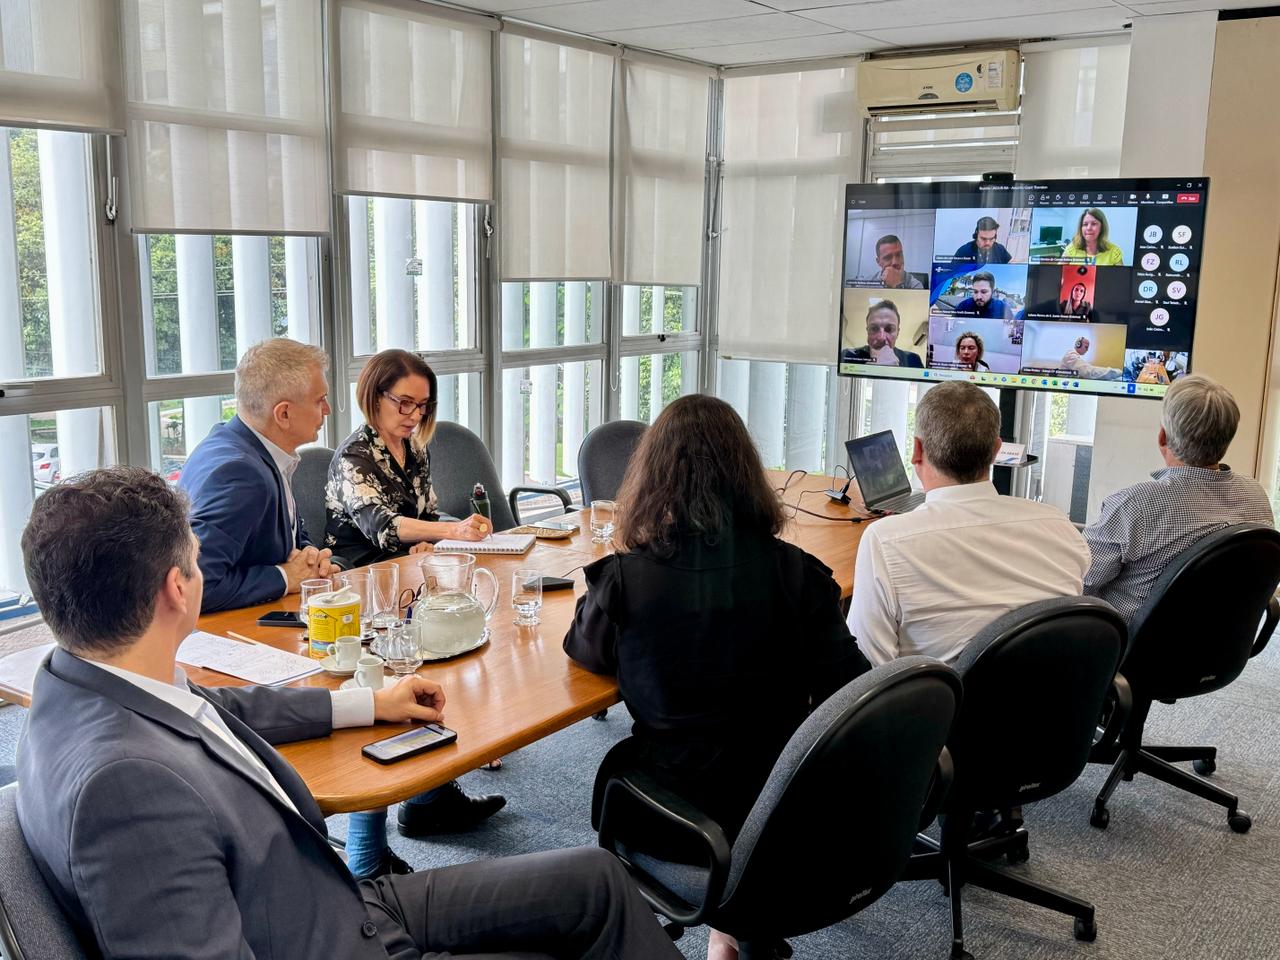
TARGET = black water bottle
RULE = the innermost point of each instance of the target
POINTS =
(480, 502)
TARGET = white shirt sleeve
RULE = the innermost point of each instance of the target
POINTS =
(352, 708)
(873, 614)
(285, 578)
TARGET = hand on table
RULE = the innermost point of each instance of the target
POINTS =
(475, 527)
(307, 564)
(413, 698)
(420, 547)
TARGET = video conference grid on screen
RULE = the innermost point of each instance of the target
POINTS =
(1077, 285)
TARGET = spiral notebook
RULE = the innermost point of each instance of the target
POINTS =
(497, 543)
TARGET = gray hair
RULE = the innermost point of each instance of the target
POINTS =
(1199, 418)
(275, 370)
(959, 428)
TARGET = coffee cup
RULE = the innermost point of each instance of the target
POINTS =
(346, 651)
(369, 672)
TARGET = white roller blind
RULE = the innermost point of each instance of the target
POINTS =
(60, 65)
(662, 165)
(554, 159)
(226, 116)
(789, 150)
(1073, 110)
(413, 117)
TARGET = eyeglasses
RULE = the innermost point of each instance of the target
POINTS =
(407, 406)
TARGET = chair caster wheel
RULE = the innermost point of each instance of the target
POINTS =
(1086, 930)
(1019, 853)
(1204, 767)
(1100, 817)
(1239, 822)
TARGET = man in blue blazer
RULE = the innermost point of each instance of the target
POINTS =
(253, 545)
(166, 825)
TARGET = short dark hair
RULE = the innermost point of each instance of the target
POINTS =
(984, 224)
(97, 550)
(959, 427)
(983, 275)
(887, 240)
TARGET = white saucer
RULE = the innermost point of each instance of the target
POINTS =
(330, 666)
(429, 655)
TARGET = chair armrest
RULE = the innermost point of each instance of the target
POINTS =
(513, 495)
(943, 775)
(1122, 706)
(1268, 627)
(639, 791)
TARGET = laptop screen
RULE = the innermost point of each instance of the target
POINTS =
(877, 466)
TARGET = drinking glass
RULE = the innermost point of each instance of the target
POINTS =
(362, 585)
(308, 589)
(400, 647)
(601, 520)
(526, 596)
(385, 594)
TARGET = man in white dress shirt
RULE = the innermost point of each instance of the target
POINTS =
(927, 581)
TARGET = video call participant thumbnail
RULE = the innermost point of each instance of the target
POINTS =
(883, 327)
(891, 270)
(1090, 242)
(984, 247)
(1089, 351)
(973, 344)
(1084, 235)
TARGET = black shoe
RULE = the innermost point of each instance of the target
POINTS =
(452, 811)
(389, 864)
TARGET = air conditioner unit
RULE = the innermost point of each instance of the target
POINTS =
(952, 82)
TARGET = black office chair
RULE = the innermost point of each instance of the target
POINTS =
(308, 490)
(604, 455)
(32, 925)
(830, 832)
(1197, 630)
(459, 460)
(1034, 685)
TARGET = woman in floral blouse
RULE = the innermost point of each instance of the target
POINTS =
(379, 498)
(380, 504)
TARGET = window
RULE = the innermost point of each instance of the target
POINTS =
(659, 325)
(791, 435)
(178, 426)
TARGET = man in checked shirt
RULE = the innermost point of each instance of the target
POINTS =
(1142, 527)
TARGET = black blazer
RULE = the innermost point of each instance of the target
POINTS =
(720, 652)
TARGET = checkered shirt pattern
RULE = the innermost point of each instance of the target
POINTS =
(1143, 527)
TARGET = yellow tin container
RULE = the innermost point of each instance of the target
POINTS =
(330, 616)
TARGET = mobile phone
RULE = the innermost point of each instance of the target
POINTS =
(280, 618)
(405, 745)
(557, 525)
(556, 583)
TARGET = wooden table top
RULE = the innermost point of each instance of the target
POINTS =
(517, 688)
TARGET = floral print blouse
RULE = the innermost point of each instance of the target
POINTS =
(367, 491)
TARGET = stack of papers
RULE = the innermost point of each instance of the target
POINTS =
(251, 662)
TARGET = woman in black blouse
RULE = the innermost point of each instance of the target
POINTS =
(379, 502)
(379, 498)
(722, 636)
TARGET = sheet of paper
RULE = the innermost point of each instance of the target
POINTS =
(495, 543)
(18, 670)
(252, 662)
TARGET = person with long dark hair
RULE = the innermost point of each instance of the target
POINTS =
(722, 636)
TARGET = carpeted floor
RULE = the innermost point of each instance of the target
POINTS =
(1168, 877)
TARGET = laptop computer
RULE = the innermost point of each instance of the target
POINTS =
(877, 468)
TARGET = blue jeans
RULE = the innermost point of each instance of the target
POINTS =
(367, 838)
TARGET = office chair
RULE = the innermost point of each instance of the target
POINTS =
(459, 461)
(1197, 630)
(830, 832)
(32, 925)
(604, 455)
(1034, 685)
(308, 484)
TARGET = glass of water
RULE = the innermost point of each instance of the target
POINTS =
(526, 596)
(308, 589)
(362, 583)
(384, 581)
(601, 520)
(400, 647)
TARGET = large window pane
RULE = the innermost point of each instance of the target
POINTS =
(207, 299)
(413, 274)
(49, 318)
(651, 381)
(41, 450)
(547, 411)
(176, 428)
(787, 408)
(649, 310)
(548, 313)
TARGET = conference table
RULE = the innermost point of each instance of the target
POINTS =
(517, 688)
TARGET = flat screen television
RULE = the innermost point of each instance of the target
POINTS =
(1082, 286)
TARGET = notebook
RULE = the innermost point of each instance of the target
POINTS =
(497, 543)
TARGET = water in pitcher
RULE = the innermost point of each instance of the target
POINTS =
(448, 622)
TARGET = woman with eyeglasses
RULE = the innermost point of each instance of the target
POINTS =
(380, 503)
(379, 498)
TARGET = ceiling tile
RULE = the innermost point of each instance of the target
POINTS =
(713, 33)
(510, 6)
(1155, 8)
(792, 5)
(596, 16)
(895, 14)
(795, 48)
(1002, 29)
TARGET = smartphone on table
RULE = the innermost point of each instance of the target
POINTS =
(409, 744)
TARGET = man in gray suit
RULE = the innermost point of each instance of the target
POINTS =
(165, 824)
